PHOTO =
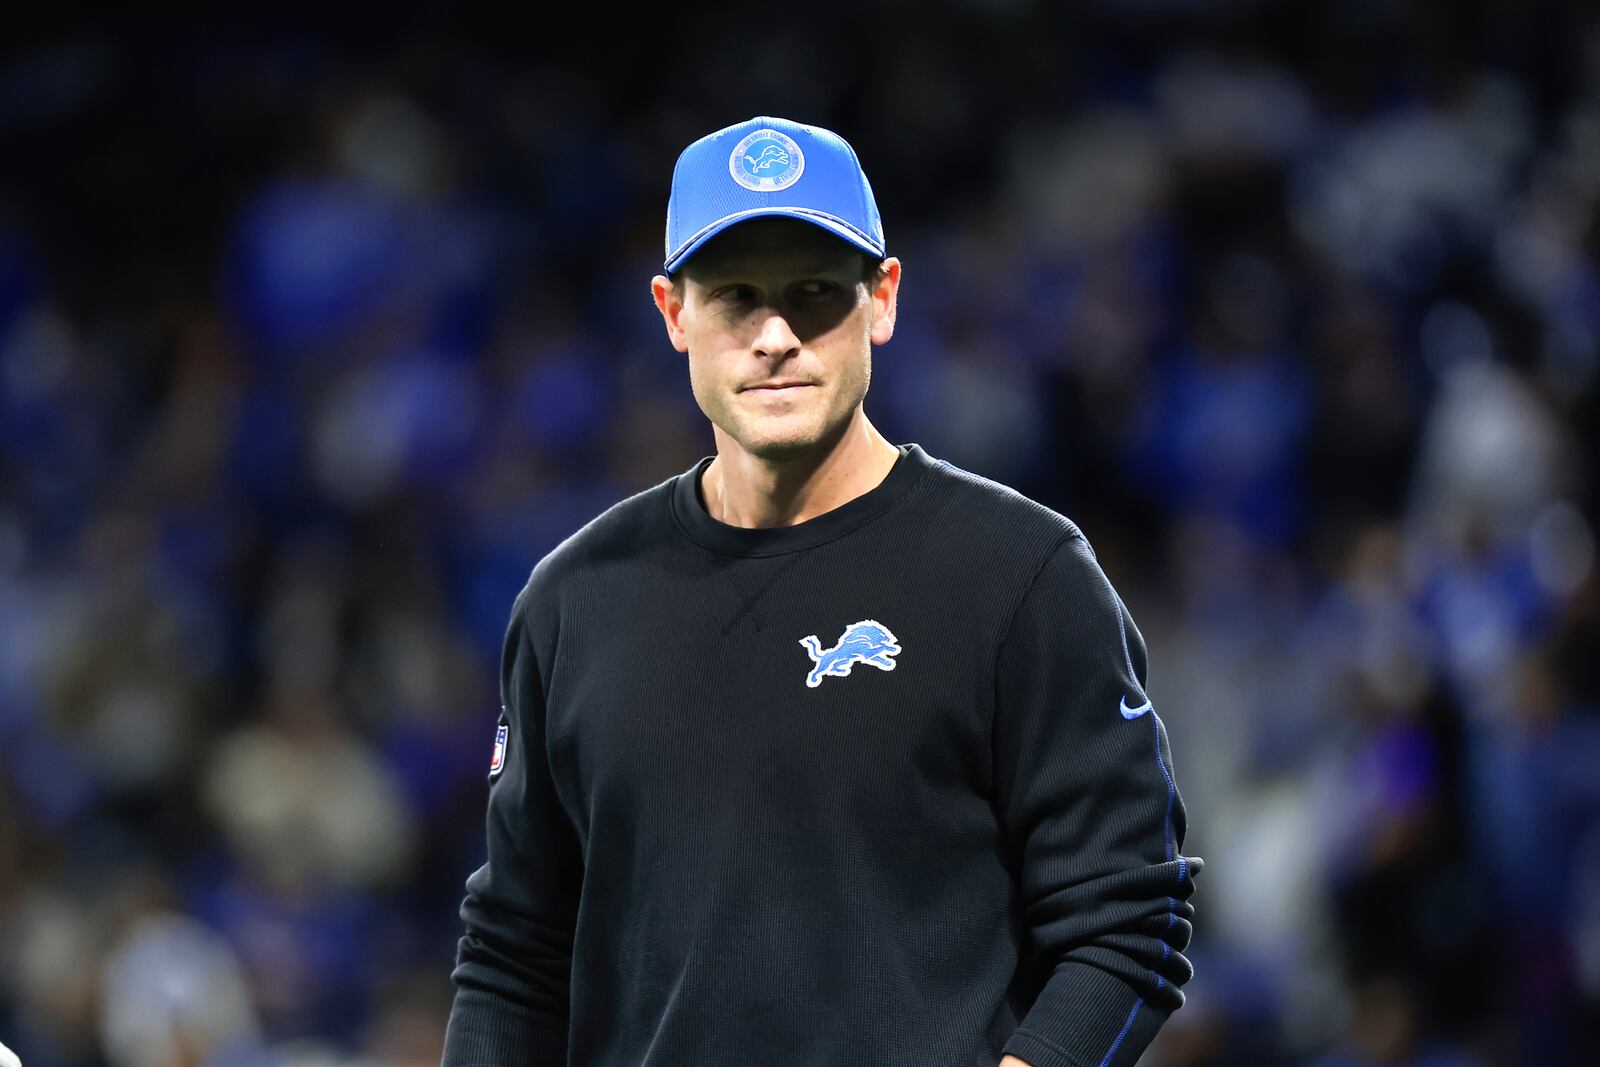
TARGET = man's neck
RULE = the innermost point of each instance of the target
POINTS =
(744, 490)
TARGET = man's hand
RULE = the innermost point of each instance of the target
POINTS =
(9, 1058)
(1012, 1061)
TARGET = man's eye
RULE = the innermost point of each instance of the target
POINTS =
(818, 288)
(737, 294)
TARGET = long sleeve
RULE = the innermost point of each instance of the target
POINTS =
(513, 966)
(1084, 786)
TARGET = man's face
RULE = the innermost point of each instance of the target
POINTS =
(779, 329)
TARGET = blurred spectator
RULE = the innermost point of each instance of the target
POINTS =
(311, 346)
(173, 995)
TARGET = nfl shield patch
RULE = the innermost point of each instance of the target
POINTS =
(498, 762)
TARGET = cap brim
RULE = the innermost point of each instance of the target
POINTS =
(832, 223)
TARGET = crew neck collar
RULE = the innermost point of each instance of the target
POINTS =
(689, 512)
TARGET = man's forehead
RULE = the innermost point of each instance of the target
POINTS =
(778, 241)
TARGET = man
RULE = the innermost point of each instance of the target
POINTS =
(824, 751)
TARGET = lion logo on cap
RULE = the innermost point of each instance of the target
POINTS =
(766, 161)
(771, 155)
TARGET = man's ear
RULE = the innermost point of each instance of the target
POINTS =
(670, 305)
(883, 301)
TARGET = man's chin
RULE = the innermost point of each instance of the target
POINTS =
(780, 444)
(782, 449)
(777, 440)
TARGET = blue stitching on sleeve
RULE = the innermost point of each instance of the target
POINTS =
(1112, 1051)
(1171, 789)
(1167, 835)
(1127, 656)
(1122, 628)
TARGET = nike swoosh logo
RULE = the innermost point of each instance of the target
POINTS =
(1134, 713)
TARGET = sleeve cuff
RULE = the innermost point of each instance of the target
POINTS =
(485, 1031)
(1085, 1018)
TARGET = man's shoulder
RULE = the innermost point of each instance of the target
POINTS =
(1014, 542)
(620, 532)
(987, 509)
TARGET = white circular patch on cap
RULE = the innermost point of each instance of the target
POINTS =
(766, 161)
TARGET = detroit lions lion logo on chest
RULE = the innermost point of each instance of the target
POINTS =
(867, 641)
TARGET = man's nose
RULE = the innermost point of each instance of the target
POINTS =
(775, 338)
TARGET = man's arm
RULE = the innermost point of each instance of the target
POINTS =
(1084, 787)
(514, 964)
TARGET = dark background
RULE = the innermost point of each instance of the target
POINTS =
(312, 342)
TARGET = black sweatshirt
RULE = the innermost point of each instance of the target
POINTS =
(880, 788)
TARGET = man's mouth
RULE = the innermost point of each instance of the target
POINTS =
(778, 387)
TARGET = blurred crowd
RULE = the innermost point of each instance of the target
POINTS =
(311, 346)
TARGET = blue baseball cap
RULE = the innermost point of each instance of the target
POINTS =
(764, 167)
